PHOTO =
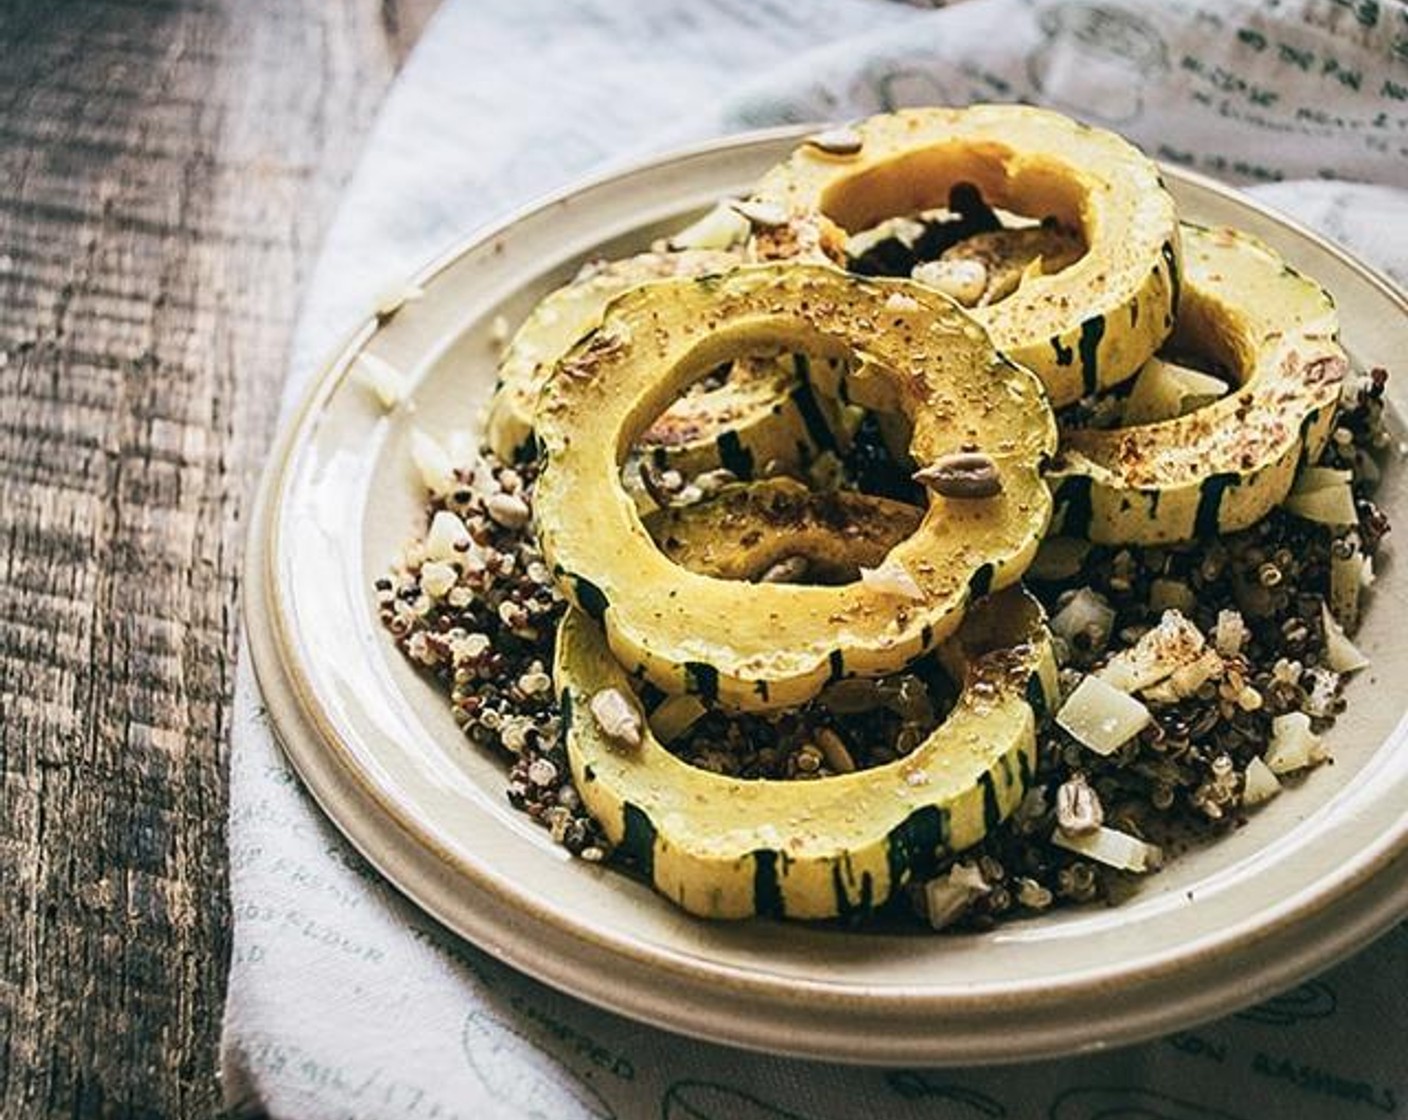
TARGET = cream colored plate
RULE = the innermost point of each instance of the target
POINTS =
(1314, 875)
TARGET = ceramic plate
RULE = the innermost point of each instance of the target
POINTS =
(1315, 874)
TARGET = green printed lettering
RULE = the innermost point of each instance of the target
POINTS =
(1296, 56)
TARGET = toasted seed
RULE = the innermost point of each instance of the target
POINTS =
(1078, 808)
(764, 214)
(833, 749)
(509, 510)
(967, 474)
(841, 141)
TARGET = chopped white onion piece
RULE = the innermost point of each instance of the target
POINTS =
(1293, 745)
(437, 577)
(947, 897)
(1187, 679)
(1102, 717)
(382, 378)
(1349, 576)
(1259, 783)
(1321, 685)
(1165, 391)
(448, 538)
(1341, 655)
(1328, 505)
(891, 578)
(1087, 613)
(433, 463)
(721, 228)
(1113, 848)
(1058, 558)
(1171, 594)
(1173, 642)
(675, 715)
(1319, 478)
(1231, 633)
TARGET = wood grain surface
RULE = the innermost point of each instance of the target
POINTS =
(166, 172)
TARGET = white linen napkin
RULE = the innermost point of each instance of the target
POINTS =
(344, 1000)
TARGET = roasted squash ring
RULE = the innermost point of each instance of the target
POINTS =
(1224, 466)
(1086, 327)
(765, 646)
(731, 848)
(763, 413)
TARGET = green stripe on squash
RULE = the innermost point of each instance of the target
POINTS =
(654, 342)
(725, 847)
(1113, 306)
(1224, 466)
(758, 415)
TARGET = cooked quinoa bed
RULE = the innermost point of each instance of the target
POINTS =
(1226, 640)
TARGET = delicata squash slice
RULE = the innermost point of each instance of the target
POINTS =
(1223, 466)
(726, 847)
(761, 413)
(1087, 326)
(768, 646)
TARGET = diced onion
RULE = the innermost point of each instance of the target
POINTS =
(1347, 582)
(448, 538)
(1319, 478)
(1259, 783)
(1113, 848)
(433, 463)
(382, 378)
(1165, 391)
(1087, 613)
(1293, 745)
(1341, 655)
(947, 897)
(675, 715)
(1231, 633)
(1101, 717)
(892, 578)
(1328, 505)
(721, 228)
(1058, 558)
(1173, 642)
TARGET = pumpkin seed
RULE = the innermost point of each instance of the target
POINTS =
(841, 141)
(966, 474)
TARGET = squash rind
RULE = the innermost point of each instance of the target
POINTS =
(764, 646)
(1082, 329)
(724, 847)
(760, 415)
(1222, 467)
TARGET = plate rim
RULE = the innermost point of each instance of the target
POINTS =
(336, 783)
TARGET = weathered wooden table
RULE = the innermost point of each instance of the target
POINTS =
(166, 171)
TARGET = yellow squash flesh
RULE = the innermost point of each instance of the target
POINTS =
(769, 646)
(1224, 466)
(747, 529)
(760, 415)
(731, 848)
(1087, 326)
